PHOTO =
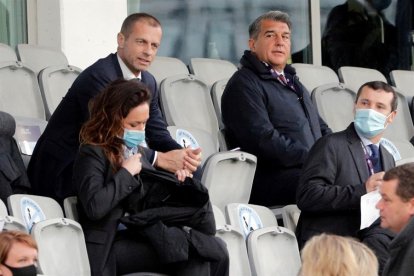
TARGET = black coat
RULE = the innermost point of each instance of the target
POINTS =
(50, 167)
(265, 118)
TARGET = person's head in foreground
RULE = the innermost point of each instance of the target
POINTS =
(18, 254)
(397, 197)
(332, 255)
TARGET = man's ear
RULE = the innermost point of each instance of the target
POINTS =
(391, 116)
(411, 207)
(251, 45)
(121, 40)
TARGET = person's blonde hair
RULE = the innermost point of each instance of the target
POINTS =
(8, 238)
(332, 255)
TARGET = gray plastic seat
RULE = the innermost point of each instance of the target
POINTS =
(229, 177)
(211, 70)
(32, 209)
(404, 81)
(335, 103)
(54, 82)
(216, 92)
(312, 76)
(354, 77)
(62, 247)
(236, 245)
(10, 222)
(69, 206)
(39, 57)
(163, 67)
(205, 140)
(19, 91)
(7, 53)
(186, 102)
(290, 216)
(273, 251)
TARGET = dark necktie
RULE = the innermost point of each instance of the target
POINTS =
(375, 158)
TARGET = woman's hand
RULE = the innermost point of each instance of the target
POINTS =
(182, 174)
(133, 164)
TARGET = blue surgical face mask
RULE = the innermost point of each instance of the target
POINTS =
(369, 122)
(133, 138)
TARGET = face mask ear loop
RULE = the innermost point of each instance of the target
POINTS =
(386, 120)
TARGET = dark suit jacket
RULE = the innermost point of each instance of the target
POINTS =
(50, 167)
(100, 195)
(331, 185)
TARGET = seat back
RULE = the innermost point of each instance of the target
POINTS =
(32, 209)
(236, 245)
(9, 223)
(355, 77)
(190, 135)
(402, 128)
(62, 247)
(273, 251)
(163, 67)
(312, 76)
(186, 102)
(69, 206)
(54, 82)
(249, 217)
(19, 91)
(290, 216)
(229, 177)
(39, 57)
(216, 92)
(404, 81)
(7, 53)
(211, 70)
(335, 103)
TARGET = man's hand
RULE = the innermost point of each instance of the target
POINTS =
(374, 181)
(175, 160)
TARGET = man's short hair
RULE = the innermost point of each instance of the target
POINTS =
(404, 174)
(129, 22)
(380, 85)
(254, 28)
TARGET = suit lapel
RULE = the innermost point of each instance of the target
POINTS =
(357, 152)
(387, 159)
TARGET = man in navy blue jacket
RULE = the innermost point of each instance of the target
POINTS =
(268, 112)
(50, 167)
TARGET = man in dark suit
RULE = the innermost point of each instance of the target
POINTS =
(344, 166)
(51, 165)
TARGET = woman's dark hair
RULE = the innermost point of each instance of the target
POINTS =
(107, 110)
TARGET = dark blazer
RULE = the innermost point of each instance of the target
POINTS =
(50, 167)
(265, 118)
(331, 185)
(100, 195)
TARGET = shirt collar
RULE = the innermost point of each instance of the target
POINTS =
(126, 73)
(365, 141)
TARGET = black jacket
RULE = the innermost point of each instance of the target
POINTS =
(265, 118)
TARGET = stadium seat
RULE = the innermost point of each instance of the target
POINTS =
(32, 209)
(216, 92)
(19, 91)
(290, 216)
(335, 103)
(236, 245)
(185, 135)
(273, 251)
(354, 77)
(10, 223)
(69, 206)
(312, 76)
(163, 67)
(404, 81)
(186, 102)
(211, 70)
(54, 82)
(229, 177)
(39, 57)
(7, 53)
(62, 247)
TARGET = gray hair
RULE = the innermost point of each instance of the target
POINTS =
(254, 28)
